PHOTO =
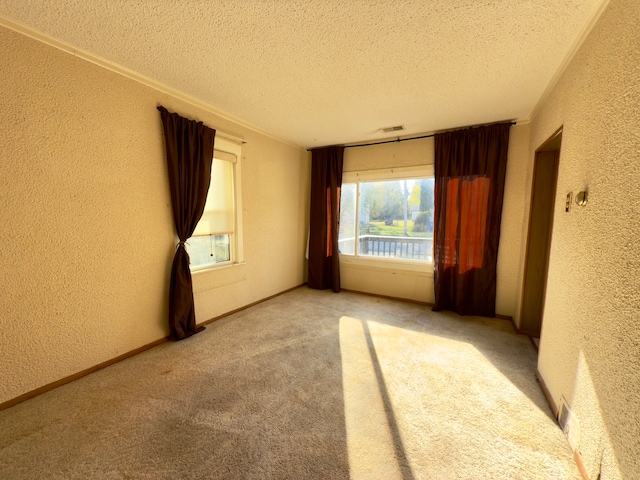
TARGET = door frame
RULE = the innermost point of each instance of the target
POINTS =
(553, 143)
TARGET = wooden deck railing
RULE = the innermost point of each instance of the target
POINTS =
(417, 248)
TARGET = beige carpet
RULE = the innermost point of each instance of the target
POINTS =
(307, 385)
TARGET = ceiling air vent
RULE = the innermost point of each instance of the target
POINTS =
(397, 128)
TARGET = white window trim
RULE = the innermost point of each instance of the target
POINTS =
(378, 175)
(386, 263)
(236, 244)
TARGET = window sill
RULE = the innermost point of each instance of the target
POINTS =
(212, 268)
(382, 263)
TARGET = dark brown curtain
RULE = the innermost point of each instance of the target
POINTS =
(326, 180)
(470, 167)
(189, 157)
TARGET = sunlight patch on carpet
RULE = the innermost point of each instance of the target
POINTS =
(369, 439)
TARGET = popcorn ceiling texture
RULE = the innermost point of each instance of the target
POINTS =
(590, 344)
(87, 233)
(331, 71)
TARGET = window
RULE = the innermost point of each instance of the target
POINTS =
(388, 214)
(217, 239)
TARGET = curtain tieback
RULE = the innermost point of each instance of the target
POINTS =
(184, 246)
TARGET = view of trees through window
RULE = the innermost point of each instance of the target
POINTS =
(395, 218)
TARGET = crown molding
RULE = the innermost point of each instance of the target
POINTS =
(135, 76)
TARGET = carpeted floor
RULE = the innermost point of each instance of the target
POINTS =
(310, 384)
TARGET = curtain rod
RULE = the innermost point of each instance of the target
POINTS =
(394, 141)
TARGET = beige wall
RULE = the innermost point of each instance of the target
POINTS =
(513, 228)
(87, 236)
(590, 344)
(418, 285)
(390, 281)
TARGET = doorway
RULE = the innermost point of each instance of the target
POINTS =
(543, 192)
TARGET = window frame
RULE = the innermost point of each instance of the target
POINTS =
(236, 245)
(381, 175)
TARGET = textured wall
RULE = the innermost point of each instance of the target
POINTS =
(87, 235)
(275, 190)
(590, 344)
(414, 285)
(513, 228)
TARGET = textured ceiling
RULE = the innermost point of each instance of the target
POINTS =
(331, 71)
